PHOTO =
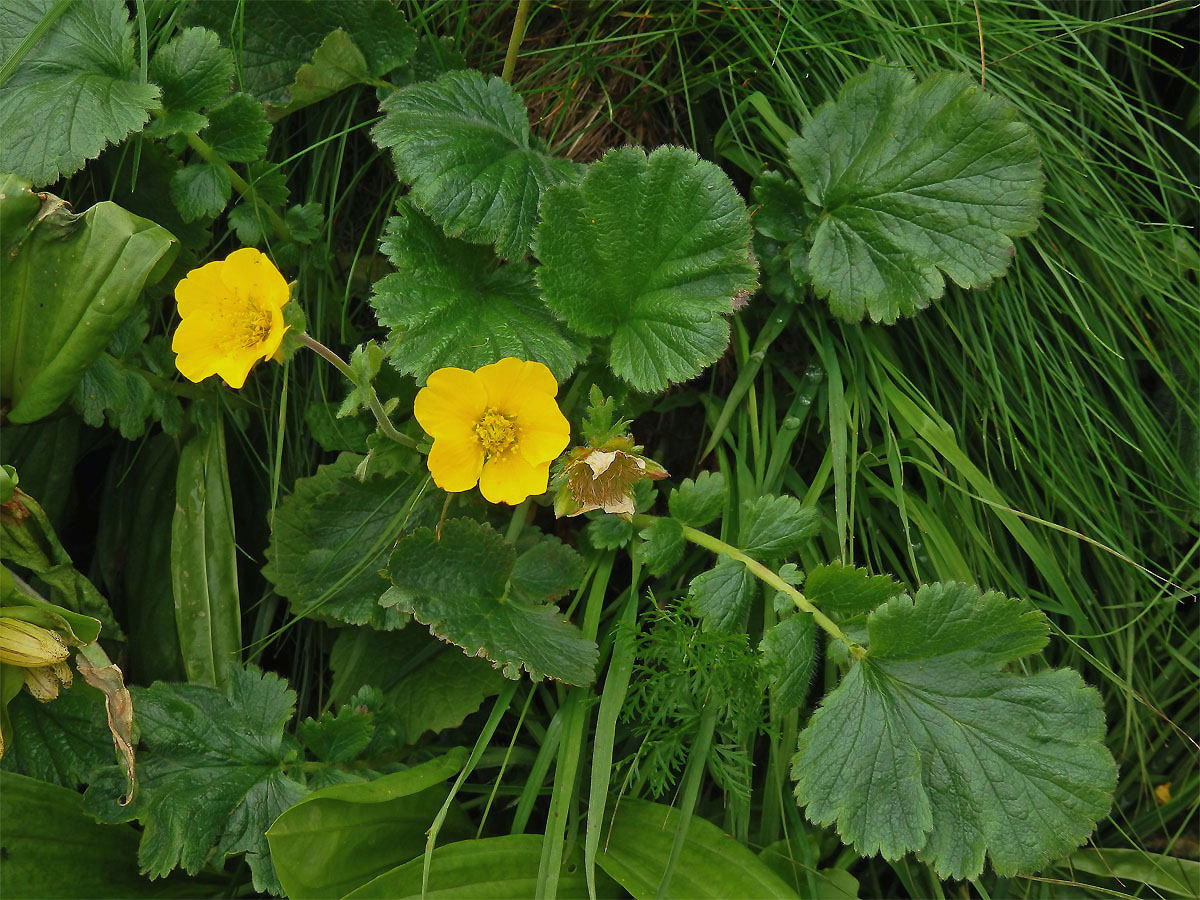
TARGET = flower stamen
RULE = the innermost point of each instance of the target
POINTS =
(495, 431)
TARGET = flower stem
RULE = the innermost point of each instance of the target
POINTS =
(385, 424)
(514, 41)
(716, 545)
(243, 187)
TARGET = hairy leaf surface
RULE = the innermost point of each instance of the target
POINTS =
(846, 591)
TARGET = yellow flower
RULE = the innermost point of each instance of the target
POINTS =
(499, 426)
(231, 311)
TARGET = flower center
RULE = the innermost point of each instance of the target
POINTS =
(496, 432)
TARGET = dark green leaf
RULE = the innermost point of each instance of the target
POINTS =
(458, 586)
(337, 738)
(340, 837)
(200, 191)
(913, 181)
(77, 89)
(722, 595)
(463, 142)
(210, 774)
(697, 502)
(608, 532)
(847, 591)
(451, 303)
(789, 650)
(238, 129)
(662, 545)
(336, 64)
(545, 571)
(250, 223)
(650, 251)
(775, 527)
(193, 70)
(711, 864)
(330, 540)
(927, 746)
(61, 742)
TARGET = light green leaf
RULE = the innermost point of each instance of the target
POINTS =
(193, 70)
(238, 129)
(330, 539)
(337, 738)
(336, 65)
(464, 144)
(927, 746)
(451, 303)
(1125, 864)
(499, 868)
(711, 864)
(914, 182)
(210, 774)
(200, 191)
(340, 837)
(789, 651)
(650, 251)
(458, 586)
(775, 527)
(722, 595)
(846, 591)
(275, 38)
(797, 868)
(697, 502)
(75, 91)
(662, 545)
(365, 361)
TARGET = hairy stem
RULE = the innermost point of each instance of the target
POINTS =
(381, 416)
(758, 570)
(514, 41)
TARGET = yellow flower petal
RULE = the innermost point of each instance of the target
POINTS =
(250, 271)
(508, 478)
(511, 380)
(235, 368)
(455, 464)
(542, 430)
(450, 404)
(201, 289)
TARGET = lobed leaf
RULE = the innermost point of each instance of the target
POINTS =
(698, 501)
(662, 545)
(192, 70)
(237, 129)
(789, 652)
(650, 251)
(722, 595)
(774, 527)
(927, 746)
(846, 591)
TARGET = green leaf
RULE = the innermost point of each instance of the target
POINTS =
(499, 868)
(75, 91)
(846, 591)
(927, 746)
(69, 282)
(210, 773)
(365, 362)
(204, 578)
(650, 251)
(336, 65)
(913, 181)
(305, 221)
(458, 586)
(789, 651)
(275, 38)
(711, 864)
(193, 70)
(790, 863)
(544, 571)
(775, 527)
(60, 742)
(200, 191)
(330, 539)
(722, 595)
(464, 144)
(451, 303)
(608, 532)
(238, 129)
(337, 738)
(662, 545)
(1169, 873)
(340, 837)
(53, 849)
(697, 502)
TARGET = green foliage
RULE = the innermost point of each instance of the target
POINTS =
(337, 738)
(336, 64)
(698, 501)
(75, 89)
(61, 742)
(451, 303)
(70, 281)
(950, 757)
(330, 539)
(601, 422)
(913, 181)
(722, 595)
(662, 545)
(211, 774)
(341, 837)
(838, 589)
(789, 652)
(237, 129)
(463, 143)
(775, 527)
(201, 190)
(459, 585)
(193, 71)
(650, 251)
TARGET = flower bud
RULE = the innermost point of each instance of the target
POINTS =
(25, 644)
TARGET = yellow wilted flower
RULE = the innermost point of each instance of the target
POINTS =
(499, 426)
(231, 312)
(29, 646)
